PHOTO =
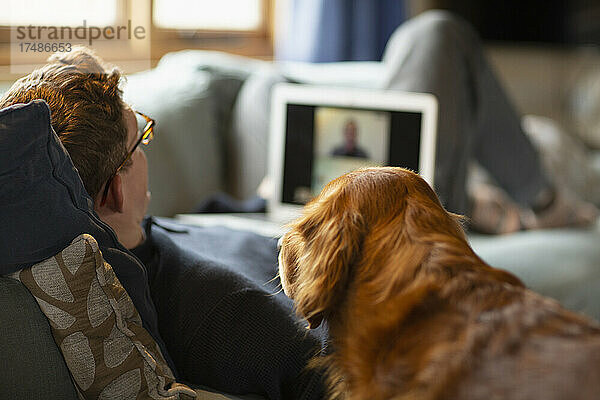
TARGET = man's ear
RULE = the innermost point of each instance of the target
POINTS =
(114, 197)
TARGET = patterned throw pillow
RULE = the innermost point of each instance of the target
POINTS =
(97, 328)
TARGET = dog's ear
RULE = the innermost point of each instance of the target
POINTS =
(332, 242)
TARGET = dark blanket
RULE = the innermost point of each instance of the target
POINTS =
(222, 315)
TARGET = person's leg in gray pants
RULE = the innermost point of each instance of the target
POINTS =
(439, 53)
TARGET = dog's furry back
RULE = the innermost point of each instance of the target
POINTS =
(414, 313)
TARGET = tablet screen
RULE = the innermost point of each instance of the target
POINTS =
(324, 142)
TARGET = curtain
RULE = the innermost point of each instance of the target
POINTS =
(337, 30)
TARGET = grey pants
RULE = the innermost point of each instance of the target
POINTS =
(437, 52)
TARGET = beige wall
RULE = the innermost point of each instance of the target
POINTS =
(541, 79)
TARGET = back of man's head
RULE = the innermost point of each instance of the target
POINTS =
(86, 107)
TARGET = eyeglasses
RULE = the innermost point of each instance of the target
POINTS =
(145, 138)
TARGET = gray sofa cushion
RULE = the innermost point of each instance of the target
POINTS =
(562, 263)
(31, 366)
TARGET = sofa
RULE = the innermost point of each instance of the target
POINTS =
(211, 136)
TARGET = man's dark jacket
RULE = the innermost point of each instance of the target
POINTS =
(222, 314)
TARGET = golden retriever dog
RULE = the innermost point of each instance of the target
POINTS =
(414, 313)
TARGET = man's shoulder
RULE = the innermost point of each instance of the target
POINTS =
(244, 253)
(231, 259)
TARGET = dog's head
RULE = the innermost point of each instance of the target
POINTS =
(360, 221)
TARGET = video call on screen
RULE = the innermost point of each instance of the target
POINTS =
(322, 143)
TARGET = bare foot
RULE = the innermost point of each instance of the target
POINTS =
(565, 211)
(493, 212)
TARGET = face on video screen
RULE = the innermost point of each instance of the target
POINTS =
(347, 139)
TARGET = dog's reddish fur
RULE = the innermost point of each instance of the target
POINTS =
(414, 313)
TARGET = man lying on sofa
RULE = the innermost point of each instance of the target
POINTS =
(221, 329)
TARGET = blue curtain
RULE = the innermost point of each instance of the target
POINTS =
(338, 30)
